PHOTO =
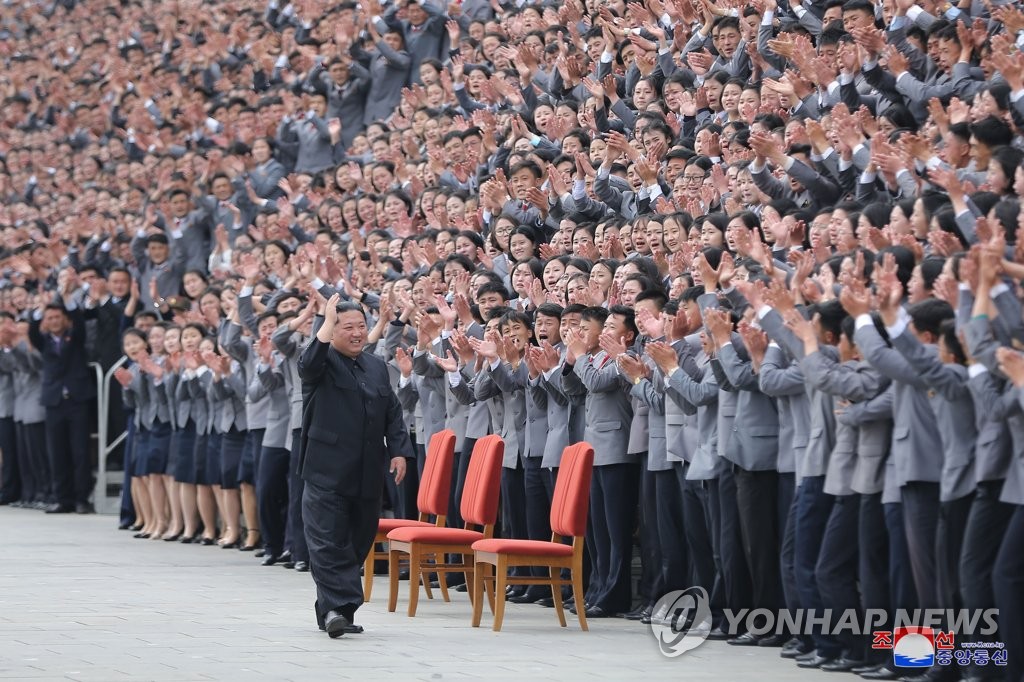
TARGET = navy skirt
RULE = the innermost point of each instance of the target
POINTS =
(232, 444)
(210, 470)
(185, 454)
(153, 449)
(250, 462)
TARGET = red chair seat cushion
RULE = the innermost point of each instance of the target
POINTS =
(435, 535)
(529, 547)
(388, 525)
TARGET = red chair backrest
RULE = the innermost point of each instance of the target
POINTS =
(436, 483)
(571, 498)
(479, 504)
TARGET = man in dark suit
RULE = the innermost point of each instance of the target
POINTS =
(351, 417)
(59, 334)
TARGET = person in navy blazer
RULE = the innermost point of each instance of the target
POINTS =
(58, 333)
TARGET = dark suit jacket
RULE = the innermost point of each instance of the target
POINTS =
(351, 421)
(66, 368)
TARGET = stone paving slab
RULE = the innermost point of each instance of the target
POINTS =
(80, 600)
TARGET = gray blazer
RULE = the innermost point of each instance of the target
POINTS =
(609, 410)
(230, 392)
(430, 385)
(916, 445)
(954, 412)
(289, 344)
(870, 413)
(240, 350)
(23, 365)
(268, 382)
(754, 445)
(651, 394)
(309, 141)
(994, 450)
(781, 378)
(536, 435)
(513, 401)
(556, 407)
(699, 390)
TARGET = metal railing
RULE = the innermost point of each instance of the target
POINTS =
(104, 503)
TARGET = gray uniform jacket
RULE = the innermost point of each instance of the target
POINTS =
(229, 392)
(268, 381)
(513, 425)
(609, 411)
(916, 445)
(240, 349)
(24, 365)
(754, 445)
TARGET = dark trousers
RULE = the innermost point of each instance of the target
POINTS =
(696, 531)
(67, 445)
(613, 501)
(272, 497)
(296, 536)
(1008, 587)
(756, 500)
(409, 488)
(670, 514)
(10, 472)
(736, 586)
(873, 564)
(339, 532)
(513, 509)
(459, 470)
(538, 512)
(813, 508)
(986, 526)
(127, 514)
(902, 590)
(921, 524)
(949, 542)
(836, 569)
(649, 588)
(35, 480)
(787, 548)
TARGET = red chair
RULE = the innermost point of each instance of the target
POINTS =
(568, 519)
(479, 507)
(432, 500)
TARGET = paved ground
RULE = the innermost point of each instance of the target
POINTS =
(80, 600)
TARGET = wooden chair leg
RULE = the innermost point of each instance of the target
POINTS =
(368, 573)
(392, 579)
(442, 583)
(500, 578)
(467, 573)
(476, 592)
(577, 596)
(489, 584)
(556, 594)
(426, 577)
(415, 566)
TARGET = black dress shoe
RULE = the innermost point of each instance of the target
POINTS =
(462, 588)
(84, 508)
(260, 553)
(137, 527)
(527, 597)
(815, 661)
(122, 526)
(546, 602)
(270, 559)
(795, 650)
(718, 634)
(237, 544)
(866, 668)
(596, 612)
(403, 574)
(247, 548)
(302, 566)
(638, 613)
(746, 639)
(881, 673)
(841, 665)
(336, 624)
(141, 535)
(60, 509)
(937, 673)
(173, 538)
(288, 563)
(514, 592)
(772, 641)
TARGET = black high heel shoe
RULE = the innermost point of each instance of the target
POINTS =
(206, 542)
(189, 539)
(251, 547)
(134, 529)
(173, 538)
(141, 535)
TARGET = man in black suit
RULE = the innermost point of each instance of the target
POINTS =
(351, 418)
(59, 334)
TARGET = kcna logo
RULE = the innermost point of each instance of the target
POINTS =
(913, 646)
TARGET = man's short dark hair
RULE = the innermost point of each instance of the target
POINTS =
(493, 288)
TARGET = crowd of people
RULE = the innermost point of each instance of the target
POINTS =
(762, 256)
